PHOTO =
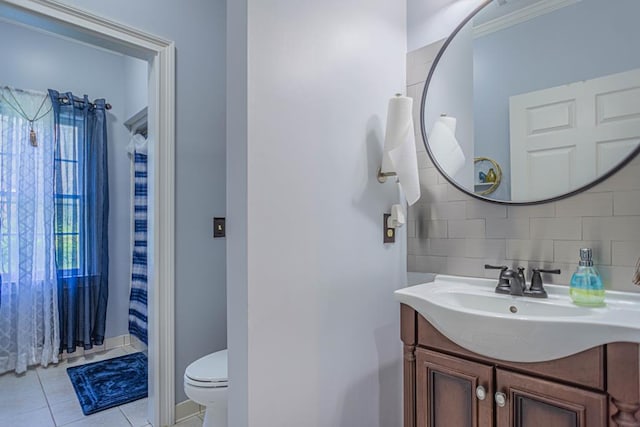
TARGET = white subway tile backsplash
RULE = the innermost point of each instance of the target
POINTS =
(626, 253)
(454, 194)
(586, 204)
(428, 176)
(424, 162)
(464, 266)
(618, 278)
(556, 228)
(412, 265)
(564, 278)
(430, 264)
(486, 248)
(626, 203)
(533, 250)
(445, 247)
(612, 228)
(417, 246)
(433, 192)
(472, 228)
(508, 228)
(479, 209)
(547, 210)
(411, 229)
(568, 251)
(432, 229)
(442, 179)
(447, 210)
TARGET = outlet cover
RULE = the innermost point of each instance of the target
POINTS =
(389, 233)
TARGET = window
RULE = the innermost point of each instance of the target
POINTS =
(8, 199)
(68, 207)
(21, 171)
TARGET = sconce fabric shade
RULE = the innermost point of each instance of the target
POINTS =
(400, 147)
(444, 146)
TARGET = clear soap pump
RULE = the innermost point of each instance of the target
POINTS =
(586, 284)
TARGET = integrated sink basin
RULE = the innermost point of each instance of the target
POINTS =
(521, 329)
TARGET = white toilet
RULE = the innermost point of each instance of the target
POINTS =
(205, 382)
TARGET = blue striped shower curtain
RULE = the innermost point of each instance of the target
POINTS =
(138, 296)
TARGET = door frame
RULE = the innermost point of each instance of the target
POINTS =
(91, 29)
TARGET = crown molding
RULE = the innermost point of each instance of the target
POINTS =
(522, 15)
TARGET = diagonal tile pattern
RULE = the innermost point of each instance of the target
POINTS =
(44, 397)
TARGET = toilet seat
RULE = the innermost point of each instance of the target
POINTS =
(209, 371)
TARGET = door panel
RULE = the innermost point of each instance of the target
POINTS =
(532, 402)
(585, 127)
(446, 391)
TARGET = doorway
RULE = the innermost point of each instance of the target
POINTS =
(78, 26)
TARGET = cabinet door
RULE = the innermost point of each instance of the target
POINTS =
(533, 402)
(448, 391)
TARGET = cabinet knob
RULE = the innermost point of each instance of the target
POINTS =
(481, 393)
(501, 399)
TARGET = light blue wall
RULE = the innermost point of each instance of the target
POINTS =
(39, 61)
(198, 28)
(450, 89)
(579, 42)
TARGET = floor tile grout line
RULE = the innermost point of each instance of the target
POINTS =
(46, 397)
(125, 416)
(58, 367)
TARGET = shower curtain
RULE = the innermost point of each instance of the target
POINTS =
(29, 308)
(81, 219)
(138, 296)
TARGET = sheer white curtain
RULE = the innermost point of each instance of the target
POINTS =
(28, 294)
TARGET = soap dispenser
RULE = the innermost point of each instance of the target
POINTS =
(586, 287)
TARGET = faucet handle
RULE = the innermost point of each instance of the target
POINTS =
(496, 267)
(541, 270)
(537, 288)
(503, 286)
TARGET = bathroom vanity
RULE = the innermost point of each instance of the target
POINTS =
(446, 384)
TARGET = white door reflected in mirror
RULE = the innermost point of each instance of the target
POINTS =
(550, 90)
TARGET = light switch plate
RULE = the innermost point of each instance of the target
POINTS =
(219, 227)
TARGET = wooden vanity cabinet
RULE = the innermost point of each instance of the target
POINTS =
(534, 402)
(447, 391)
(446, 385)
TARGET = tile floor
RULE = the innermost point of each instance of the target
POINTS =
(44, 397)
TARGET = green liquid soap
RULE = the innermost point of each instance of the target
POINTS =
(586, 287)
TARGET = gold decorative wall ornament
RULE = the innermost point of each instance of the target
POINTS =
(493, 174)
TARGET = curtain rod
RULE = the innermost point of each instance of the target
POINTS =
(65, 100)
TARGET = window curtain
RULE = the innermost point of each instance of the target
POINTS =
(29, 309)
(81, 219)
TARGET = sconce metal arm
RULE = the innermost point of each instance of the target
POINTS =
(382, 176)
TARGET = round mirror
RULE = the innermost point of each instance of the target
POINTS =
(545, 92)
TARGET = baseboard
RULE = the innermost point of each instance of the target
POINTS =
(187, 409)
(136, 343)
(108, 344)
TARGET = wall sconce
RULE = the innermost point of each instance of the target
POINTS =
(399, 157)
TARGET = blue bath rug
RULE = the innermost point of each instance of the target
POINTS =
(108, 383)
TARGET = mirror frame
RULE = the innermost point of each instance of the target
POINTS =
(450, 180)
